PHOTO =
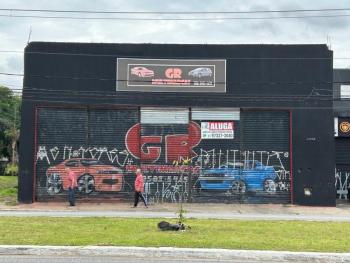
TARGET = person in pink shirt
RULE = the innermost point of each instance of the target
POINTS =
(139, 185)
(72, 179)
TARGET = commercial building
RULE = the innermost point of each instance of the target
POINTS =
(206, 123)
(341, 90)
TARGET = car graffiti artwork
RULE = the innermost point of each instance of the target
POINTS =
(239, 178)
(142, 72)
(200, 72)
(92, 175)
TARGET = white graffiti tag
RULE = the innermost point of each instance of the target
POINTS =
(42, 154)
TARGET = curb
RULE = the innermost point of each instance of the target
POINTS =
(178, 253)
(156, 214)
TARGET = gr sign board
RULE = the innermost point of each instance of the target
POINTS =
(171, 75)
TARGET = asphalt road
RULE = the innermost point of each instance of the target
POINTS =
(51, 259)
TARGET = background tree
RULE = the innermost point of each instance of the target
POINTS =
(9, 124)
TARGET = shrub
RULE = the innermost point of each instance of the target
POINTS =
(11, 169)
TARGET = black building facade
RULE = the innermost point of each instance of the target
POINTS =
(206, 123)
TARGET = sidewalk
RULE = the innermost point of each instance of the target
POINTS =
(166, 210)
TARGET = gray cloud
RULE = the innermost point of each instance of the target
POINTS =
(14, 31)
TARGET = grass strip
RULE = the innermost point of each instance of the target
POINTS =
(8, 190)
(230, 234)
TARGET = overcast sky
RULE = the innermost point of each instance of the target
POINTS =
(14, 31)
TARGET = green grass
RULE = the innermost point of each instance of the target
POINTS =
(8, 190)
(232, 234)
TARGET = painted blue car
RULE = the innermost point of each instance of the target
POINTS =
(239, 178)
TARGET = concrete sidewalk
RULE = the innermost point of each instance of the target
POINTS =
(166, 210)
(177, 253)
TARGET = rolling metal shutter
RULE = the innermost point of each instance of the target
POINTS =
(108, 141)
(164, 116)
(215, 114)
(342, 162)
(61, 135)
(215, 157)
(101, 146)
(265, 156)
(342, 151)
(164, 140)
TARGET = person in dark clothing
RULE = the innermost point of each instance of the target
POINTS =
(139, 186)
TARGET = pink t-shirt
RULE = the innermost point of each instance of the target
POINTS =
(139, 184)
(72, 179)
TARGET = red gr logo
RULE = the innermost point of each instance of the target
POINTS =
(173, 73)
(176, 146)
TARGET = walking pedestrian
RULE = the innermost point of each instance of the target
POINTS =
(139, 186)
(72, 179)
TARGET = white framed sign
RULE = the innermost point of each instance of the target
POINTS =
(217, 130)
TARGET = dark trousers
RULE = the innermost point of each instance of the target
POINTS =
(139, 195)
(71, 196)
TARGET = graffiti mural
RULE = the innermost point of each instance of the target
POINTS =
(342, 183)
(104, 155)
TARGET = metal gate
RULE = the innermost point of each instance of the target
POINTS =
(94, 144)
(242, 156)
(164, 147)
(197, 155)
(342, 170)
(217, 154)
(265, 156)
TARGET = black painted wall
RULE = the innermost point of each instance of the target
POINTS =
(294, 77)
(313, 156)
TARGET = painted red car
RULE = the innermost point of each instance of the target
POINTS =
(142, 72)
(92, 175)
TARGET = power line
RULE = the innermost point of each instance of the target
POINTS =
(42, 90)
(174, 12)
(12, 74)
(314, 94)
(65, 102)
(31, 93)
(114, 56)
(67, 94)
(174, 19)
(149, 81)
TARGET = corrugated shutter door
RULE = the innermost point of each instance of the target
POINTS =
(109, 141)
(164, 141)
(61, 135)
(342, 162)
(342, 151)
(215, 113)
(266, 156)
(218, 157)
(164, 115)
(100, 146)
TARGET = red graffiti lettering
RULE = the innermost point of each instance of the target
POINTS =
(150, 153)
(149, 148)
(132, 140)
(194, 138)
(176, 147)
